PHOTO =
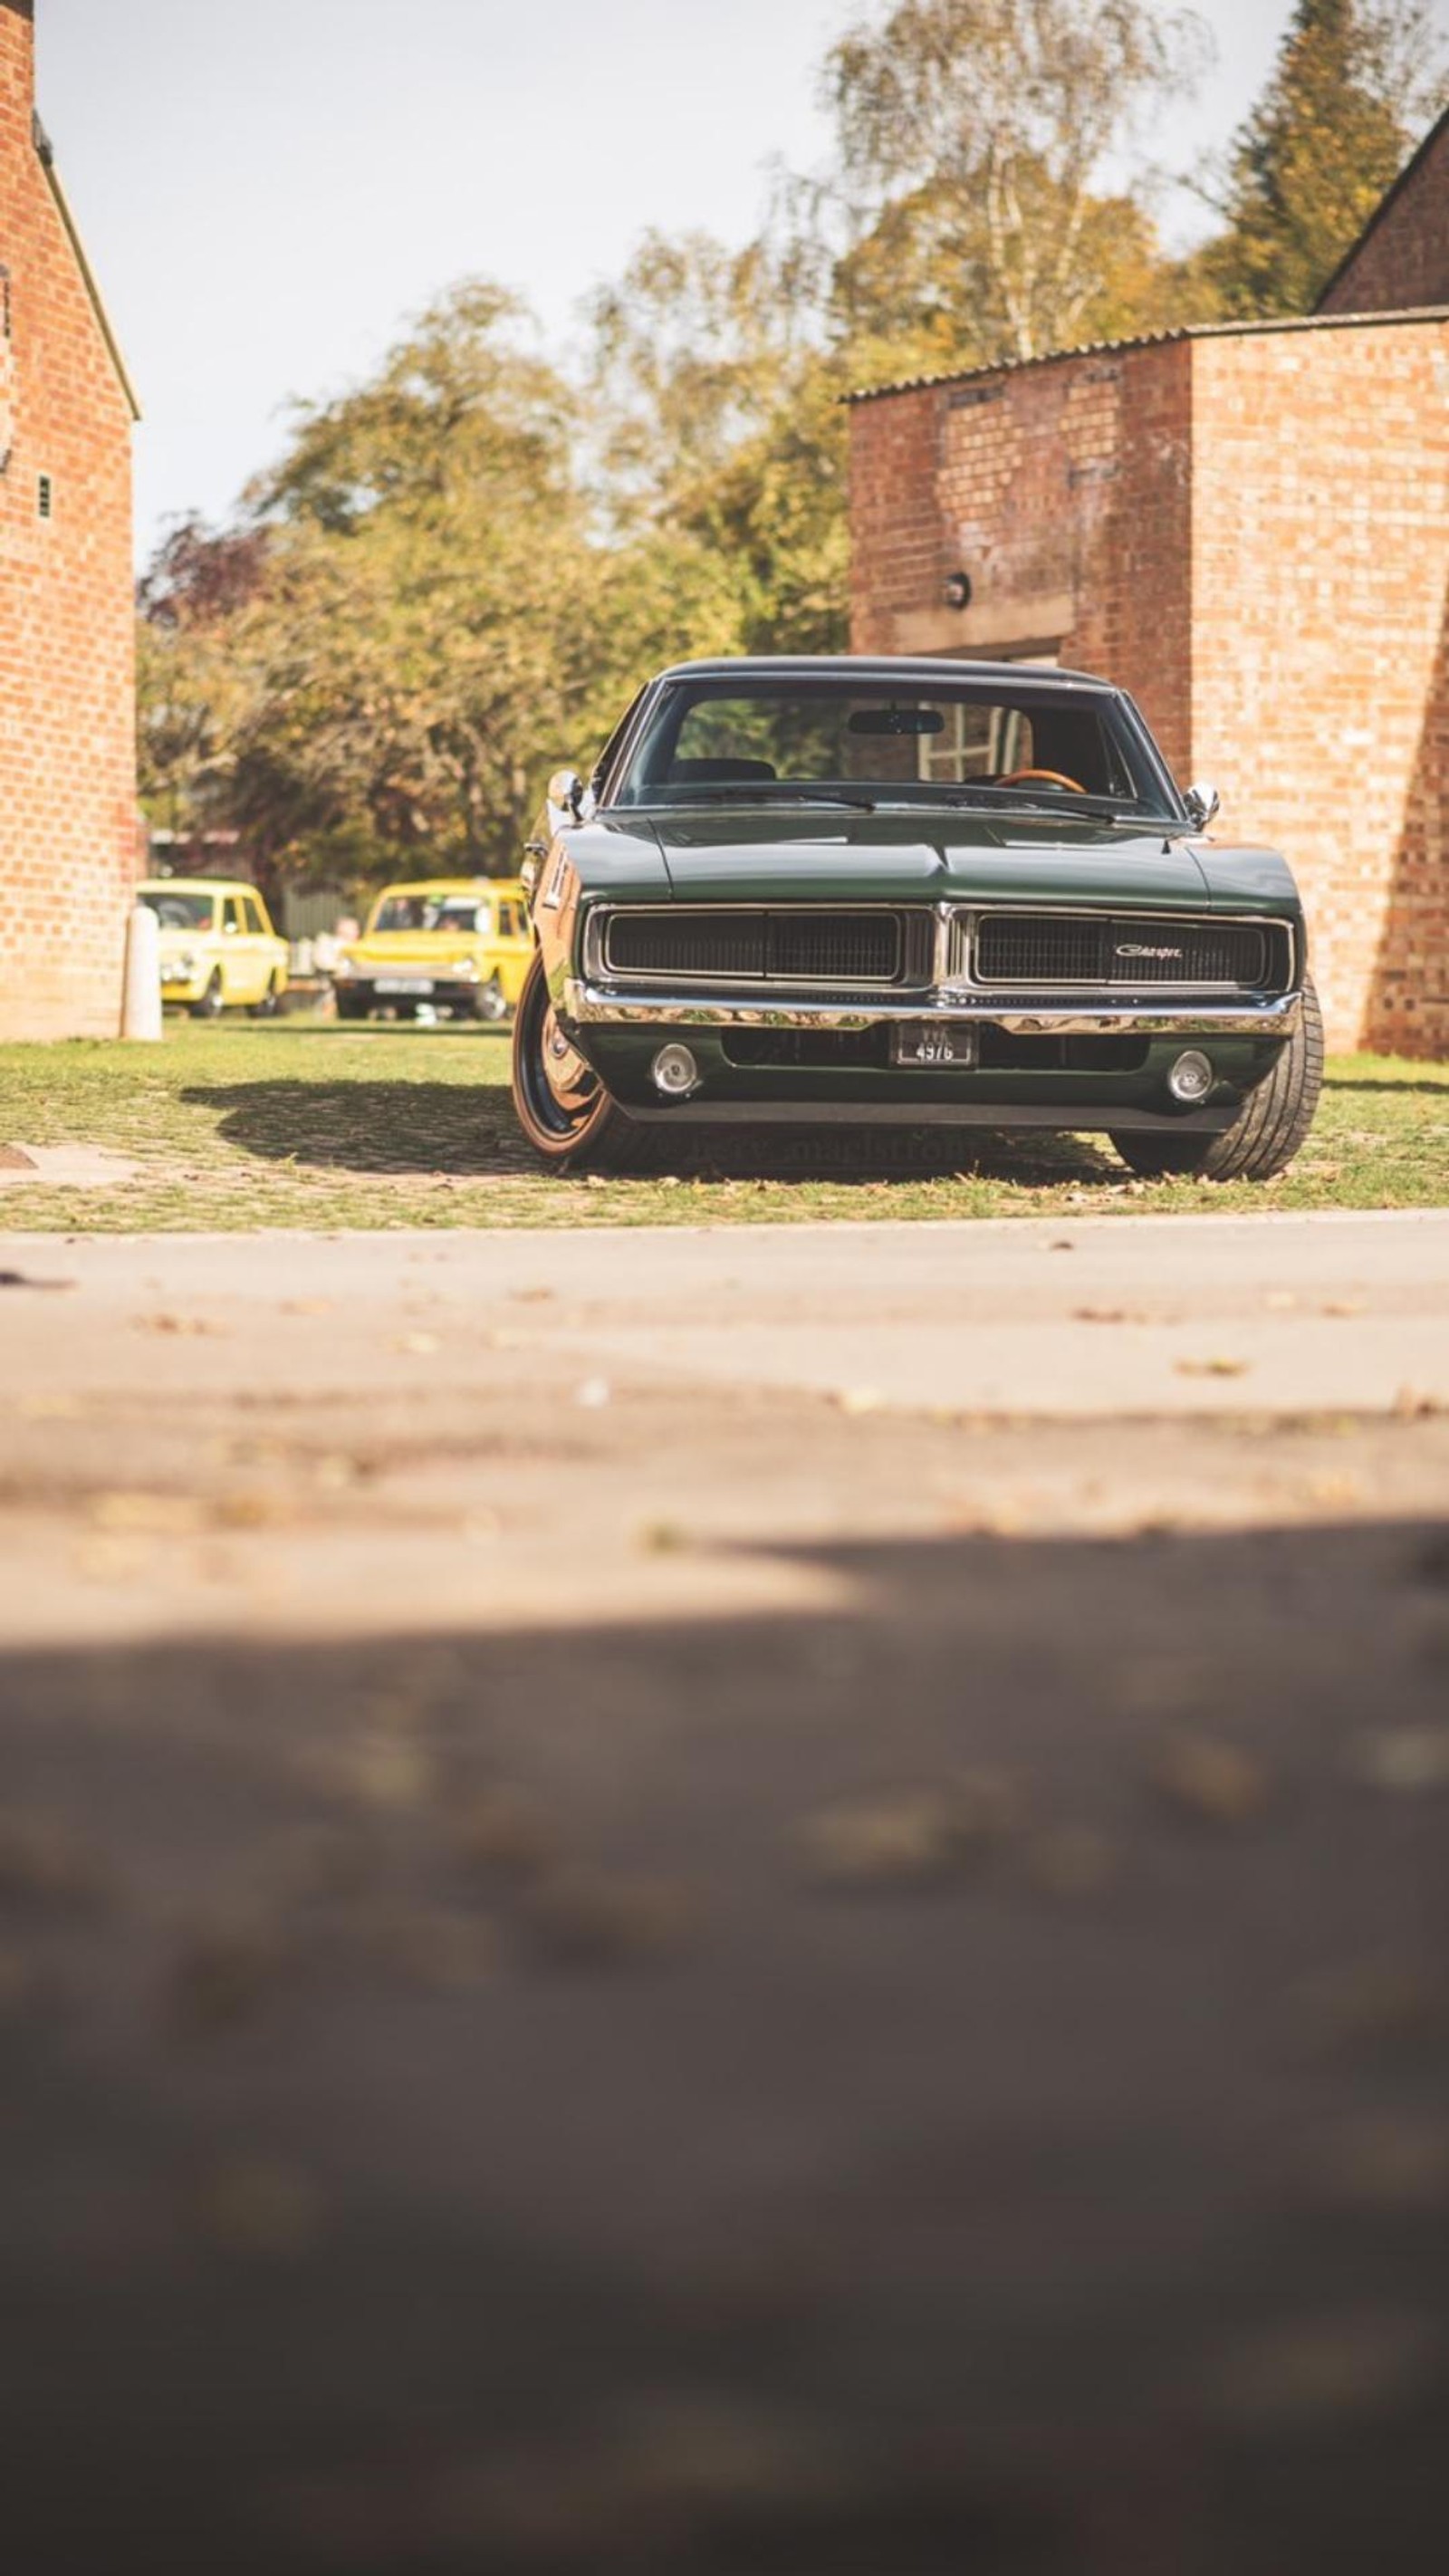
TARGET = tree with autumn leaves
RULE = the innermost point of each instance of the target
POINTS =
(1351, 89)
(460, 568)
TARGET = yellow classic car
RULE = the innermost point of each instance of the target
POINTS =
(218, 947)
(455, 944)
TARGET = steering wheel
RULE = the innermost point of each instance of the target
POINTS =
(1019, 777)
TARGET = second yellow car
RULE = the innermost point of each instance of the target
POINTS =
(459, 945)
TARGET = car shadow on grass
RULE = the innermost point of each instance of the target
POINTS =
(401, 1128)
(426, 1128)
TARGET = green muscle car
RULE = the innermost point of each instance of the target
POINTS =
(925, 892)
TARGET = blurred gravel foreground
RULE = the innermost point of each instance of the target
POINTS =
(627, 1942)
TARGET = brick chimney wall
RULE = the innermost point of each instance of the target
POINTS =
(68, 839)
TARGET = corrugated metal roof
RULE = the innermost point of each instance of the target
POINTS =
(1151, 340)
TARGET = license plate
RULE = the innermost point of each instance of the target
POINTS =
(934, 1042)
(403, 984)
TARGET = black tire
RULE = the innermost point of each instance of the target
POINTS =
(270, 1003)
(1268, 1129)
(570, 1120)
(350, 1006)
(213, 1000)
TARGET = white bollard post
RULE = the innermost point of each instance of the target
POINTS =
(141, 992)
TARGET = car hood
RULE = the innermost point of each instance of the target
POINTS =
(846, 857)
(862, 858)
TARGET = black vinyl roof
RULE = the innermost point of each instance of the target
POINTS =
(888, 669)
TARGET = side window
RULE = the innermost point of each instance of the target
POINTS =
(254, 921)
(231, 914)
(507, 921)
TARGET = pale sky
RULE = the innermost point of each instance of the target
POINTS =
(267, 191)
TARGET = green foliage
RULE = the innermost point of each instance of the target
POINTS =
(1354, 79)
(395, 673)
(973, 139)
(720, 449)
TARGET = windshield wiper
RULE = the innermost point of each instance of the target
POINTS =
(1009, 800)
(765, 794)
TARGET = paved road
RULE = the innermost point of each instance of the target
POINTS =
(1106, 1315)
(746, 1901)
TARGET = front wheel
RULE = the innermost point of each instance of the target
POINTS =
(563, 1108)
(212, 1002)
(1268, 1129)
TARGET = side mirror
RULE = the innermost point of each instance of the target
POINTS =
(1202, 803)
(569, 801)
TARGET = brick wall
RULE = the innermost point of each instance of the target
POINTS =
(1402, 261)
(67, 722)
(1063, 490)
(1250, 532)
(1319, 702)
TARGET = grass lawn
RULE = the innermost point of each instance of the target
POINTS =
(301, 1124)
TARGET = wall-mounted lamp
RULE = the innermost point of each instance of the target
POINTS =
(958, 590)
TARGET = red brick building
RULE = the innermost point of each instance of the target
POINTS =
(68, 842)
(1249, 528)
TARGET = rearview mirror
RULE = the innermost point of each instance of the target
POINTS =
(1202, 803)
(896, 720)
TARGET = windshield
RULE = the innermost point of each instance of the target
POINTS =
(1010, 744)
(463, 915)
(180, 911)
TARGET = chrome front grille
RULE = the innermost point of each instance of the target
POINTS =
(1034, 956)
(1045, 948)
(798, 944)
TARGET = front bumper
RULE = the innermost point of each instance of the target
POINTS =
(1275, 1015)
(1048, 1067)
